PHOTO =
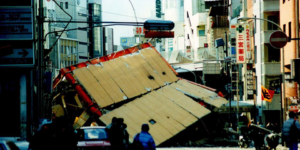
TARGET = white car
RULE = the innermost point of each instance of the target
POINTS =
(91, 137)
(8, 145)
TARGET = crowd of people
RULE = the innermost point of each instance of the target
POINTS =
(119, 137)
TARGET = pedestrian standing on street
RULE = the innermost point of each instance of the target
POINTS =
(113, 122)
(117, 135)
(290, 132)
(145, 138)
(125, 136)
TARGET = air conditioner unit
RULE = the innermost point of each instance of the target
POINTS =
(295, 69)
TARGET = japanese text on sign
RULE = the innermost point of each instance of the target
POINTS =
(243, 43)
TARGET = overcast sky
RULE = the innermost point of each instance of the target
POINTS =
(121, 10)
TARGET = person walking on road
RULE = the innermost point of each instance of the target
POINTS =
(145, 138)
(290, 132)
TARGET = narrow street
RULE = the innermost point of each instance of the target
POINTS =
(206, 148)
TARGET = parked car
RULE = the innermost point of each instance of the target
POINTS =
(92, 137)
(22, 145)
(10, 145)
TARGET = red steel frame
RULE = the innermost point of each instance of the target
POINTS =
(67, 73)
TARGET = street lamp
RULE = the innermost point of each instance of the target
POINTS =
(282, 56)
(189, 71)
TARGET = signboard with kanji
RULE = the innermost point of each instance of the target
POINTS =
(243, 50)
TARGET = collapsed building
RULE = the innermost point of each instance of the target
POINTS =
(136, 84)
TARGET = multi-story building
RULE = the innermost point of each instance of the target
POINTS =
(95, 34)
(266, 58)
(18, 66)
(173, 10)
(263, 67)
(289, 23)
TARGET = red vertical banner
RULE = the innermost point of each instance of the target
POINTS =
(247, 42)
(240, 43)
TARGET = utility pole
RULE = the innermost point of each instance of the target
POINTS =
(40, 66)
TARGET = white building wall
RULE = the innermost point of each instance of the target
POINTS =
(258, 66)
(174, 11)
(193, 23)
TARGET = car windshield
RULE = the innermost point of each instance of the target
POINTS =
(2, 147)
(92, 134)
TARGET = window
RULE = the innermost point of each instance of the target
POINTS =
(272, 26)
(67, 5)
(255, 25)
(61, 4)
(284, 28)
(290, 29)
(255, 58)
(273, 54)
(201, 30)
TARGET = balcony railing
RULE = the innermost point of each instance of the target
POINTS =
(271, 68)
(266, 35)
(270, 5)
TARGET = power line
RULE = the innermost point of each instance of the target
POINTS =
(138, 23)
(92, 27)
(108, 12)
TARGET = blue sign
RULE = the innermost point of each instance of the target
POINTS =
(233, 51)
(124, 41)
(16, 23)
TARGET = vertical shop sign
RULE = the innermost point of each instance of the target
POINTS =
(249, 82)
(248, 48)
(243, 48)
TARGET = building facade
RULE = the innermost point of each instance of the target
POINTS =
(289, 22)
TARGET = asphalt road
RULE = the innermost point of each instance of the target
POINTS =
(206, 148)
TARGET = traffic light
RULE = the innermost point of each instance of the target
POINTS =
(158, 8)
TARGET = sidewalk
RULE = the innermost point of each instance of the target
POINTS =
(280, 147)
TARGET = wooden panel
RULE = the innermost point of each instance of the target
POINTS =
(80, 121)
(91, 85)
(185, 102)
(109, 85)
(167, 114)
(174, 111)
(131, 78)
(157, 118)
(162, 117)
(139, 59)
(153, 63)
(190, 91)
(160, 62)
(211, 97)
(120, 79)
(144, 118)
(105, 98)
(136, 69)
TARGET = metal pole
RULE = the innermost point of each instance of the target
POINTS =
(230, 96)
(237, 102)
(254, 31)
(226, 53)
(40, 62)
